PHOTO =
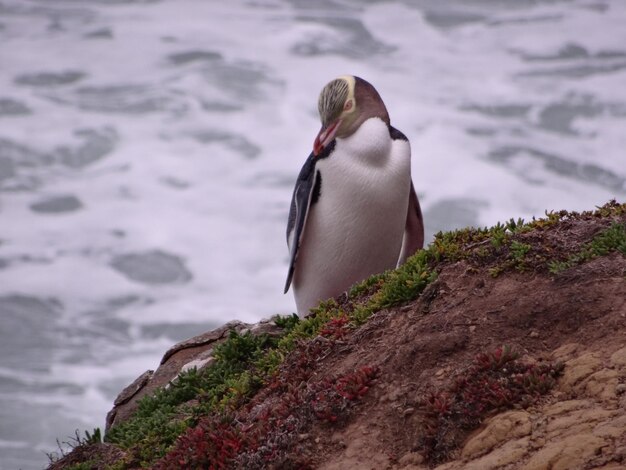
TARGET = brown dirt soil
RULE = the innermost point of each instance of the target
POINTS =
(577, 317)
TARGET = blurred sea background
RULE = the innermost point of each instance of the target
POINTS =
(148, 151)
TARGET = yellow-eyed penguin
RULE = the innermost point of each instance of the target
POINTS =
(354, 211)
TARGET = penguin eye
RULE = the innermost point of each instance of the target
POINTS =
(348, 105)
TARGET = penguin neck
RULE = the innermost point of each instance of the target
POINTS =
(370, 143)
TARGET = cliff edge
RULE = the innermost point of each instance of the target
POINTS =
(495, 348)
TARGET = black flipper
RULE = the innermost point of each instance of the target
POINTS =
(300, 203)
(414, 229)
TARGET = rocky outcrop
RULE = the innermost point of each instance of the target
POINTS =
(196, 352)
(582, 425)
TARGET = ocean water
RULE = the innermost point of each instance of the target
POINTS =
(148, 151)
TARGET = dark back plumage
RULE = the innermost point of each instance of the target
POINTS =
(305, 194)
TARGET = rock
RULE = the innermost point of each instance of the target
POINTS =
(130, 391)
(508, 454)
(577, 421)
(566, 351)
(619, 358)
(602, 384)
(566, 454)
(563, 407)
(576, 370)
(411, 458)
(500, 428)
(194, 352)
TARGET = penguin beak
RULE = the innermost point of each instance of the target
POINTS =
(325, 136)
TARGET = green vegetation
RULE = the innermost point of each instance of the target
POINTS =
(88, 465)
(92, 438)
(518, 252)
(240, 364)
(611, 239)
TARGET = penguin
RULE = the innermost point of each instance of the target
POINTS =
(354, 211)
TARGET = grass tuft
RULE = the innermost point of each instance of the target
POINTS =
(159, 419)
(609, 240)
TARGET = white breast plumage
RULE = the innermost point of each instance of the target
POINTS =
(357, 225)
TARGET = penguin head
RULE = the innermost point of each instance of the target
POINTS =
(344, 104)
